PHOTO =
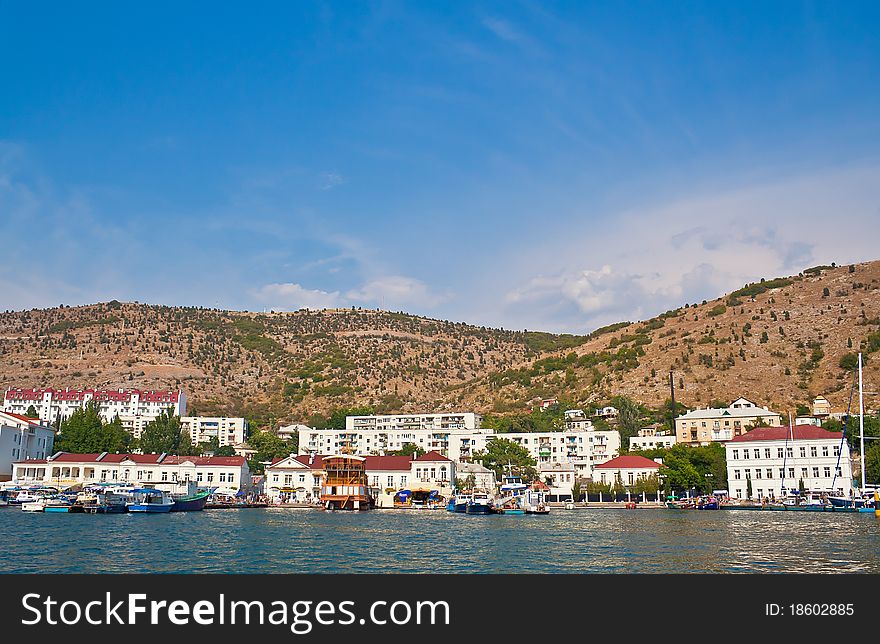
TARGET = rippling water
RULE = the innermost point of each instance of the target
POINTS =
(280, 540)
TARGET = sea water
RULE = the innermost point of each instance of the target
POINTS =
(283, 540)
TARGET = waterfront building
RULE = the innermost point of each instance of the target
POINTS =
(626, 469)
(558, 477)
(652, 437)
(22, 438)
(704, 426)
(227, 431)
(475, 475)
(134, 407)
(776, 457)
(63, 469)
(297, 478)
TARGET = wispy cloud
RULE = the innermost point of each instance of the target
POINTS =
(397, 290)
(329, 180)
(292, 296)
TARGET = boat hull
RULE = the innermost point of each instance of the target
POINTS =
(478, 508)
(190, 504)
(149, 508)
(58, 508)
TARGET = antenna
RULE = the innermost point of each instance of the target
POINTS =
(861, 424)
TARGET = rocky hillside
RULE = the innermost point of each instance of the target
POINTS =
(779, 341)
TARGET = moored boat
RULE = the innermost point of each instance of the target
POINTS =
(38, 505)
(190, 502)
(480, 503)
(149, 500)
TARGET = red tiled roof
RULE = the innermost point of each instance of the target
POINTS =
(432, 456)
(97, 394)
(143, 459)
(629, 462)
(205, 460)
(388, 463)
(24, 419)
(797, 432)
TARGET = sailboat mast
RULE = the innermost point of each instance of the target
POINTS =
(861, 425)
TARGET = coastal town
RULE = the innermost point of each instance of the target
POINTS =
(437, 460)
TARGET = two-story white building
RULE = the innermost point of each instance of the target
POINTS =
(22, 438)
(64, 469)
(652, 437)
(626, 469)
(773, 458)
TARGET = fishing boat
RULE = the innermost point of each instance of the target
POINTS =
(149, 500)
(480, 503)
(460, 502)
(106, 502)
(190, 502)
(512, 497)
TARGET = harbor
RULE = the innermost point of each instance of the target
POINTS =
(588, 540)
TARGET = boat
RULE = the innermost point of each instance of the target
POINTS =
(191, 502)
(480, 503)
(57, 504)
(38, 505)
(460, 502)
(149, 500)
(708, 503)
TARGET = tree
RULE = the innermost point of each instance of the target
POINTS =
(268, 446)
(629, 418)
(31, 412)
(802, 410)
(748, 488)
(165, 434)
(576, 490)
(500, 453)
(408, 449)
(85, 432)
(872, 462)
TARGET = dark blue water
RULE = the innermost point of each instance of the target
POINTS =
(566, 541)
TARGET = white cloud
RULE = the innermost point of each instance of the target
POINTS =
(396, 291)
(292, 296)
(648, 260)
(329, 180)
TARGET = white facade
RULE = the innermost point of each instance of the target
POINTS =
(626, 469)
(651, 437)
(135, 407)
(22, 438)
(584, 449)
(559, 477)
(456, 435)
(577, 419)
(65, 469)
(773, 458)
(228, 431)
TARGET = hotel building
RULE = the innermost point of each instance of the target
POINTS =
(227, 431)
(134, 407)
(773, 458)
(21, 438)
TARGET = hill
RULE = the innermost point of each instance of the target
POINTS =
(779, 341)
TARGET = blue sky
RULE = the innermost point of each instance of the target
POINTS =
(552, 166)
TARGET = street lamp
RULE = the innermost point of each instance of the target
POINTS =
(708, 476)
(662, 478)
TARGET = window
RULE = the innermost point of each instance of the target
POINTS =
(757, 472)
(814, 451)
(230, 477)
(836, 451)
(769, 473)
(302, 478)
(779, 453)
(757, 453)
(631, 478)
(815, 472)
(825, 451)
(736, 454)
(789, 452)
(748, 474)
(736, 474)
(390, 480)
(274, 478)
(746, 454)
(791, 472)
(803, 452)
(804, 472)
(210, 477)
(766, 452)
(782, 472)
(223, 477)
(827, 472)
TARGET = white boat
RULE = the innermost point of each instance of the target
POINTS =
(149, 500)
(34, 506)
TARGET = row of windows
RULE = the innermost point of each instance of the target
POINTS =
(826, 472)
(788, 452)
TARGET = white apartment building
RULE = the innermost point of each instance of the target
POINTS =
(652, 437)
(230, 473)
(704, 426)
(227, 431)
(584, 449)
(577, 419)
(454, 435)
(776, 457)
(133, 406)
(20, 438)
